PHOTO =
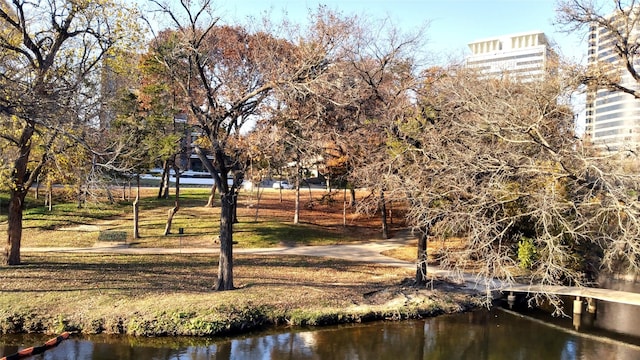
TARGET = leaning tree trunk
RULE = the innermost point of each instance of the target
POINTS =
(212, 196)
(165, 173)
(383, 215)
(165, 195)
(421, 271)
(176, 207)
(225, 265)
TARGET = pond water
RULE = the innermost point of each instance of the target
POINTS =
(483, 334)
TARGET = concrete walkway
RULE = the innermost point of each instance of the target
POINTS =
(366, 252)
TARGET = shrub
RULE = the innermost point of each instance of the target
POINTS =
(527, 253)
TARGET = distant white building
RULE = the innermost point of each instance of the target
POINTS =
(524, 56)
(612, 117)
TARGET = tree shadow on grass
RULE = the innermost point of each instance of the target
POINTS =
(159, 274)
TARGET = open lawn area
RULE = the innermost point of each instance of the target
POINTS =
(266, 222)
(155, 295)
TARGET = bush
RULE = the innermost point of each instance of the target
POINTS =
(527, 253)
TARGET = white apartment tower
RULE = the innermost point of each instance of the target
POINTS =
(524, 56)
(612, 117)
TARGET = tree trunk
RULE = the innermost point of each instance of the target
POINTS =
(421, 271)
(14, 231)
(344, 208)
(136, 211)
(383, 215)
(164, 180)
(110, 197)
(212, 196)
(235, 208)
(36, 195)
(296, 213)
(18, 192)
(50, 195)
(166, 185)
(80, 199)
(258, 197)
(176, 207)
(225, 265)
(160, 186)
(352, 201)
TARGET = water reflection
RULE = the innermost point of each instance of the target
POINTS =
(620, 318)
(485, 334)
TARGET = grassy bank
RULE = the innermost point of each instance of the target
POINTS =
(164, 295)
(156, 295)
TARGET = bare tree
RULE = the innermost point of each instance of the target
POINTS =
(620, 21)
(497, 164)
(227, 74)
(384, 63)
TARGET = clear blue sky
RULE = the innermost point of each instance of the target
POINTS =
(453, 23)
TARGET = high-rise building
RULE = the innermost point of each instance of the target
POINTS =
(612, 117)
(524, 56)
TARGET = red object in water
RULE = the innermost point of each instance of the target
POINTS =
(35, 350)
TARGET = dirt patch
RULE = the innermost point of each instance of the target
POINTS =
(408, 293)
(315, 208)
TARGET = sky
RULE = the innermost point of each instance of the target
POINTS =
(452, 23)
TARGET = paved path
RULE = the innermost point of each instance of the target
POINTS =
(367, 252)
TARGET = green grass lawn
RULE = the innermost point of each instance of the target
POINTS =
(69, 226)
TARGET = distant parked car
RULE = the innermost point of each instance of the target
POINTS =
(282, 185)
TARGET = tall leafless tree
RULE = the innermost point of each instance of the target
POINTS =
(227, 75)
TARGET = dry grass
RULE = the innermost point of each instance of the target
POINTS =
(168, 295)
(172, 294)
